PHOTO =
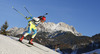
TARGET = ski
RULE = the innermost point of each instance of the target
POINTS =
(34, 46)
(29, 45)
(24, 43)
(39, 48)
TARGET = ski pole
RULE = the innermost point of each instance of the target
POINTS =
(18, 11)
(28, 11)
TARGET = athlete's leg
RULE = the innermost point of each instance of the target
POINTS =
(34, 34)
(26, 33)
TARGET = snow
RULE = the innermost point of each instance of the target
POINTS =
(9, 45)
(97, 51)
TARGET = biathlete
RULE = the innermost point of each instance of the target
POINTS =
(32, 24)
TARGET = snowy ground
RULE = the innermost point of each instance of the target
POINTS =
(9, 45)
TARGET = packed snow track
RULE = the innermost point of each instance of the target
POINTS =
(9, 45)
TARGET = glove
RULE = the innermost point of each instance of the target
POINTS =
(27, 18)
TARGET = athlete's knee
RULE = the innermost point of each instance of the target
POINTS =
(33, 35)
(26, 34)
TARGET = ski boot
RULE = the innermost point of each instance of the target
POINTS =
(30, 42)
(20, 40)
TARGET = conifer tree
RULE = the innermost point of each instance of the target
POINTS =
(4, 28)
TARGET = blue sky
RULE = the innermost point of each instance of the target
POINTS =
(84, 15)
